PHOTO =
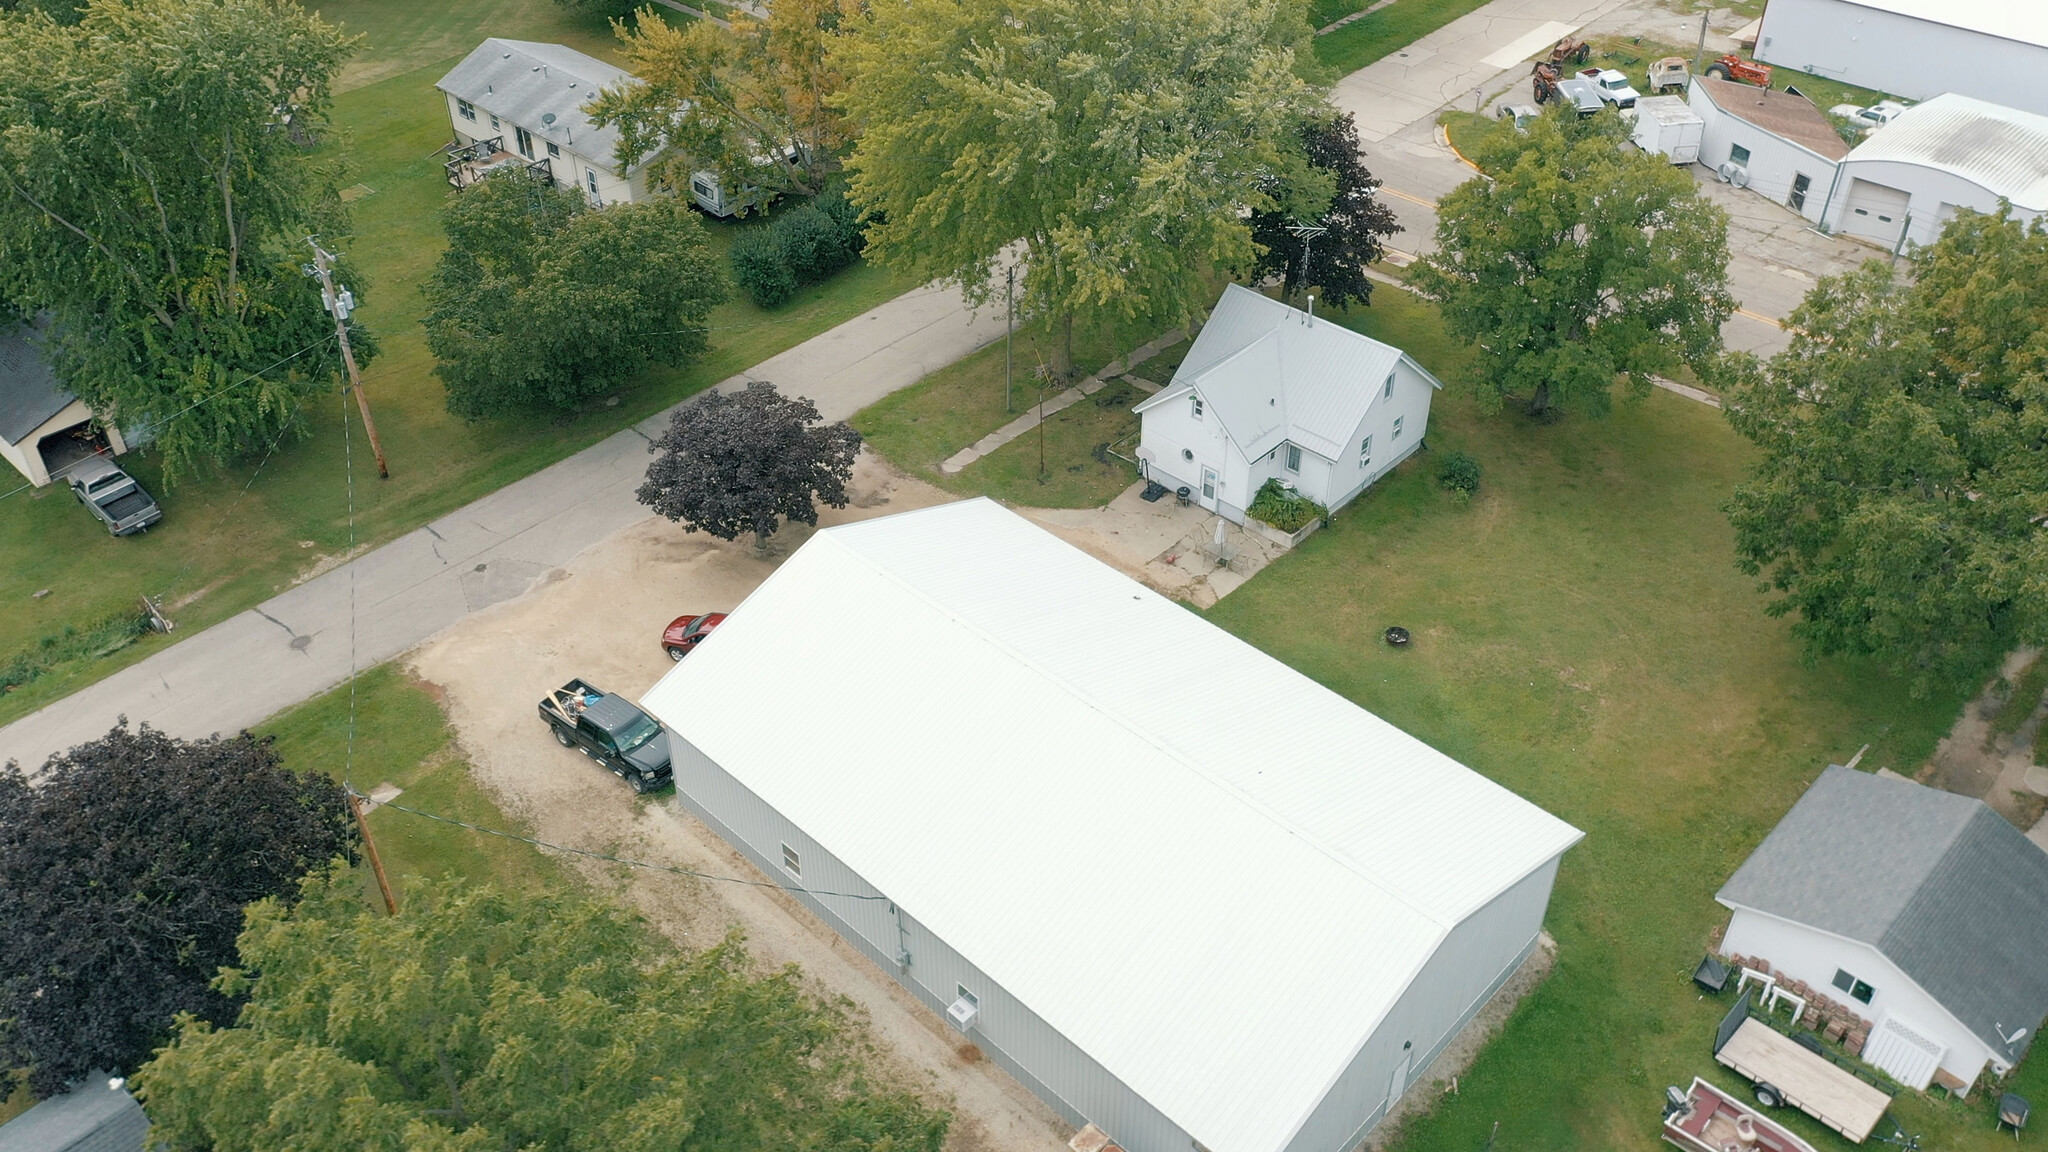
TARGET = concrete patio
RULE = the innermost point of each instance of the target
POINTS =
(1169, 546)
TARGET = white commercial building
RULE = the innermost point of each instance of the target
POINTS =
(1993, 50)
(1909, 177)
(1179, 890)
(1773, 143)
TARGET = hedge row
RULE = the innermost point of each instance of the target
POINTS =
(803, 246)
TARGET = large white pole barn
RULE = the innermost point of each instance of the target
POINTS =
(1176, 888)
(1995, 50)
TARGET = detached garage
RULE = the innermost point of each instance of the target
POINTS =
(1174, 887)
(1773, 143)
(1991, 49)
(1909, 178)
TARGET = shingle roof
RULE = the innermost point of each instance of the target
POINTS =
(1939, 883)
(1271, 373)
(2003, 150)
(1779, 113)
(97, 1116)
(29, 391)
(523, 82)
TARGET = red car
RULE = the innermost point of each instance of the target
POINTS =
(686, 632)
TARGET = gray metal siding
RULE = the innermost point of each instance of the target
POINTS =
(1472, 963)
(1010, 1034)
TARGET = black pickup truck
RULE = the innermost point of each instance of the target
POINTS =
(611, 730)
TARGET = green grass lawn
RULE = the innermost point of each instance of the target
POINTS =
(1322, 13)
(230, 542)
(403, 738)
(1386, 31)
(1583, 637)
(1072, 476)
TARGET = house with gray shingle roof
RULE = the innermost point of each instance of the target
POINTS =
(521, 103)
(96, 1116)
(1271, 392)
(43, 427)
(1924, 911)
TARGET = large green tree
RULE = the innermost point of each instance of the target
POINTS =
(540, 302)
(1121, 141)
(154, 197)
(1574, 261)
(475, 1020)
(1902, 491)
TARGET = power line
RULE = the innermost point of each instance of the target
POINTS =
(634, 863)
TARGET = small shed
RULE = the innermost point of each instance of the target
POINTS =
(1921, 914)
(1907, 180)
(43, 427)
(97, 1116)
(1995, 50)
(1773, 143)
(1174, 887)
(1271, 392)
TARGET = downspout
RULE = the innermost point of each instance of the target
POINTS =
(1821, 225)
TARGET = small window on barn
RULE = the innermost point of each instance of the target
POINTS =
(467, 109)
(1196, 406)
(1389, 391)
(1397, 427)
(1294, 457)
(973, 1001)
(1737, 154)
(1365, 452)
(792, 863)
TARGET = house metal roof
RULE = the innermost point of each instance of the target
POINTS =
(97, 1116)
(1272, 372)
(1779, 113)
(1939, 883)
(523, 82)
(29, 391)
(2002, 150)
(2020, 20)
(1215, 886)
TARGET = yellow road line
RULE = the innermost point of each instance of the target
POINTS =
(1407, 197)
(1759, 318)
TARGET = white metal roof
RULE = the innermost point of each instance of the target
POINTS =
(523, 82)
(1205, 869)
(2003, 150)
(1271, 372)
(2023, 20)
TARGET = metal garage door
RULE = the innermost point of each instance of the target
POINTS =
(1904, 1052)
(1874, 211)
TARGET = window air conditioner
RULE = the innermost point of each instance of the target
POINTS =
(962, 1013)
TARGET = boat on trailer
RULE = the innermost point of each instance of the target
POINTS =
(1707, 1119)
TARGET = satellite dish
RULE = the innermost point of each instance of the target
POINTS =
(548, 118)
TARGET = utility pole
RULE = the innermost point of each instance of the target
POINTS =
(1700, 57)
(1307, 233)
(1043, 375)
(339, 303)
(1009, 337)
(355, 804)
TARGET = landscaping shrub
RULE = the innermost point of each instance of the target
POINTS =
(1285, 510)
(803, 246)
(1459, 472)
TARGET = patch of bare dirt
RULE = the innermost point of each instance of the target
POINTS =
(1974, 760)
(602, 621)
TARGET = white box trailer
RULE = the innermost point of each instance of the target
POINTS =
(1668, 126)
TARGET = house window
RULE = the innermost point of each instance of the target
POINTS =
(1397, 427)
(973, 1001)
(554, 151)
(1737, 154)
(467, 110)
(1197, 405)
(792, 863)
(1856, 989)
(1389, 391)
(525, 142)
(1294, 457)
(1365, 452)
(494, 123)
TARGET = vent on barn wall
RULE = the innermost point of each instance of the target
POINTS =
(1734, 173)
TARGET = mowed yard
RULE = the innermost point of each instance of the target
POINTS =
(1582, 636)
(229, 542)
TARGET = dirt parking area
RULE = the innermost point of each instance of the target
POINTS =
(601, 618)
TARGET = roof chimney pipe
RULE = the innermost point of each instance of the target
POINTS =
(1311, 310)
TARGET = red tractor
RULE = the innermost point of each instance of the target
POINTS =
(1733, 67)
(1572, 50)
(1543, 80)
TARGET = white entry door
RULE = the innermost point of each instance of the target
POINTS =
(1874, 212)
(1399, 1083)
(1209, 489)
(1904, 1051)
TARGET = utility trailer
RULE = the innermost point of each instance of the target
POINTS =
(1786, 1073)
(1668, 127)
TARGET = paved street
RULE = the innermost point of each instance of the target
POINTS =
(296, 645)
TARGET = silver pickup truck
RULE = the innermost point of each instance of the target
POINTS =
(113, 496)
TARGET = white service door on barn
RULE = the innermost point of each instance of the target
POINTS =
(1874, 211)
(1903, 1051)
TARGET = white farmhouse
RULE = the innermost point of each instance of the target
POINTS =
(1271, 392)
(1952, 152)
(1922, 911)
(1202, 929)
(1993, 50)
(516, 102)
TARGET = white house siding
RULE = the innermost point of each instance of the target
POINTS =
(1774, 162)
(1808, 954)
(1412, 396)
(1010, 1034)
(1932, 197)
(1471, 964)
(1172, 429)
(1909, 57)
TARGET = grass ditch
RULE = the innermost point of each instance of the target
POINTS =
(72, 645)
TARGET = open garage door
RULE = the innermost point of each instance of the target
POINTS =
(1874, 212)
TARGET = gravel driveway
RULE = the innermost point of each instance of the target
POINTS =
(601, 618)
